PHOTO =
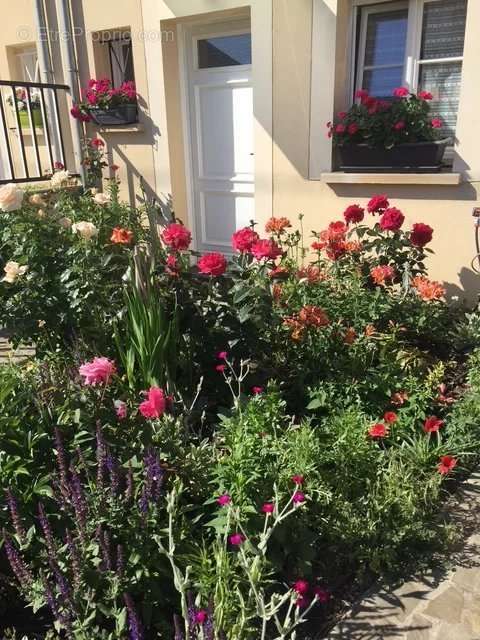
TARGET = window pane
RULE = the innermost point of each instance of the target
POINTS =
(443, 81)
(386, 38)
(443, 30)
(225, 51)
(381, 82)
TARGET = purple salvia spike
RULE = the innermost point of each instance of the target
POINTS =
(130, 489)
(143, 503)
(101, 455)
(15, 516)
(19, 568)
(61, 462)
(208, 627)
(134, 622)
(120, 564)
(78, 502)
(112, 467)
(47, 531)
(192, 610)
(75, 560)
(106, 550)
(153, 475)
(50, 599)
(178, 625)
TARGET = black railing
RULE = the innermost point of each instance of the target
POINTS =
(32, 140)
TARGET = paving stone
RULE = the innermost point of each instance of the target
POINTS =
(471, 615)
(456, 632)
(467, 579)
(448, 605)
(419, 628)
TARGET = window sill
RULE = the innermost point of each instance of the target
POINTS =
(122, 128)
(340, 177)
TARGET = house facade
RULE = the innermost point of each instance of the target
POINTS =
(235, 97)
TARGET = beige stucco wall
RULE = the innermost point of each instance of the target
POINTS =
(282, 69)
(446, 208)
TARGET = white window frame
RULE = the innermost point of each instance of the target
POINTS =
(412, 48)
(24, 55)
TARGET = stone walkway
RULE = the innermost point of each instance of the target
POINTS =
(443, 604)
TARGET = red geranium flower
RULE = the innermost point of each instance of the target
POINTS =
(425, 95)
(398, 126)
(378, 430)
(340, 128)
(392, 219)
(421, 234)
(361, 93)
(401, 92)
(432, 424)
(377, 204)
(353, 128)
(446, 464)
(437, 123)
(354, 213)
(212, 264)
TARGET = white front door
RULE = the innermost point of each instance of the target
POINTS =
(220, 115)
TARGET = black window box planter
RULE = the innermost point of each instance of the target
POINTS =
(411, 157)
(120, 115)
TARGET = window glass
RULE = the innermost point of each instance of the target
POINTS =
(225, 51)
(121, 61)
(443, 81)
(386, 38)
(381, 82)
(443, 29)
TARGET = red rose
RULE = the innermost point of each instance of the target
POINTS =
(377, 204)
(421, 234)
(392, 219)
(243, 239)
(353, 213)
(212, 264)
(401, 92)
(176, 236)
(265, 249)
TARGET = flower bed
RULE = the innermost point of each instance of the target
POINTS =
(238, 443)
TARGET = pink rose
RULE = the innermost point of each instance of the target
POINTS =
(243, 239)
(176, 236)
(392, 219)
(268, 249)
(99, 370)
(212, 264)
(155, 404)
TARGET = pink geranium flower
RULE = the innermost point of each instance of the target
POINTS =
(301, 587)
(268, 508)
(98, 370)
(222, 355)
(155, 405)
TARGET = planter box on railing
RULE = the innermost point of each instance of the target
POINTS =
(417, 157)
(120, 115)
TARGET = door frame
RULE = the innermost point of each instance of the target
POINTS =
(184, 36)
